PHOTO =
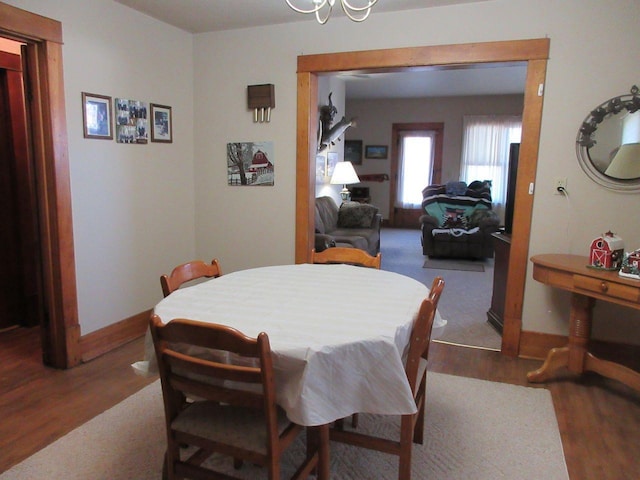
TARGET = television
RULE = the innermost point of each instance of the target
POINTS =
(514, 151)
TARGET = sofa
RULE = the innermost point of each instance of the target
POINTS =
(353, 224)
(458, 221)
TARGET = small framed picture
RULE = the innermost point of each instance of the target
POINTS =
(353, 151)
(131, 121)
(376, 151)
(161, 123)
(96, 116)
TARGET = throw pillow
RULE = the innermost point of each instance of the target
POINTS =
(356, 215)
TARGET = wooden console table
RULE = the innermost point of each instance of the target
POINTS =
(570, 272)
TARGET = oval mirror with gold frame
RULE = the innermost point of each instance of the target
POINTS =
(608, 143)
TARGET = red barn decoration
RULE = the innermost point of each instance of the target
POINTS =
(607, 252)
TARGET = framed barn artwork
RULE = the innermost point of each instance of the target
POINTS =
(250, 164)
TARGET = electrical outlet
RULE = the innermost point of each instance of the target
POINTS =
(560, 185)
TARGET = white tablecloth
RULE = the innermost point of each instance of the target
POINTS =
(338, 333)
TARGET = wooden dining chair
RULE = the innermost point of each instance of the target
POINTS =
(350, 256)
(411, 426)
(235, 413)
(187, 272)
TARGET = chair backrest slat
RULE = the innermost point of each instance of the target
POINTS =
(225, 371)
(192, 332)
(350, 256)
(216, 393)
(187, 272)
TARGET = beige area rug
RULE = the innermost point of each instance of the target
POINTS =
(454, 264)
(474, 430)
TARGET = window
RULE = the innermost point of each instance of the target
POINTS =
(485, 152)
(414, 168)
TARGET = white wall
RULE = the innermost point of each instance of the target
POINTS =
(376, 118)
(133, 205)
(588, 64)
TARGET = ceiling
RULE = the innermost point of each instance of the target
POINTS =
(485, 79)
(200, 16)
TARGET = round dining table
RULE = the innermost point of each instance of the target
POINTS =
(339, 334)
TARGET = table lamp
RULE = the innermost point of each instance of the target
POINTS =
(344, 174)
(626, 162)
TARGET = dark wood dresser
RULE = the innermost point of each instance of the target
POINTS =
(501, 248)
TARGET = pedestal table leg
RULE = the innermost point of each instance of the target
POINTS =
(573, 355)
(579, 331)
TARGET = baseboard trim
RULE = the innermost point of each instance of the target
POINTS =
(113, 336)
(445, 342)
(536, 345)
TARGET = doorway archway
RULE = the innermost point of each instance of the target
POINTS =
(534, 52)
(49, 154)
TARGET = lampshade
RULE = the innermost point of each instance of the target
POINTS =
(626, 162)
(344, 174)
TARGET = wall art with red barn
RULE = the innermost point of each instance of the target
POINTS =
(250, 163)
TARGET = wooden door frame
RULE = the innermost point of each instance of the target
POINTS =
(49, 151)
(436, 168)
(534, 52)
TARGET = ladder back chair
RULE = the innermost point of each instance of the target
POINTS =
(350, 256)
(189, 271)
(235, 411)
(411, 426)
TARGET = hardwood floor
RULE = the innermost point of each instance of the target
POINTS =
(599, 419)
(40, 404)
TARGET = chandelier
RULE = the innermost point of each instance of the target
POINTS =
(323, 8)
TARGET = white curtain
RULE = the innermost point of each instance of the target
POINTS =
(414, 167)
(485, 152)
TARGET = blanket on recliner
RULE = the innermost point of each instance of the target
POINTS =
(455, 211)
